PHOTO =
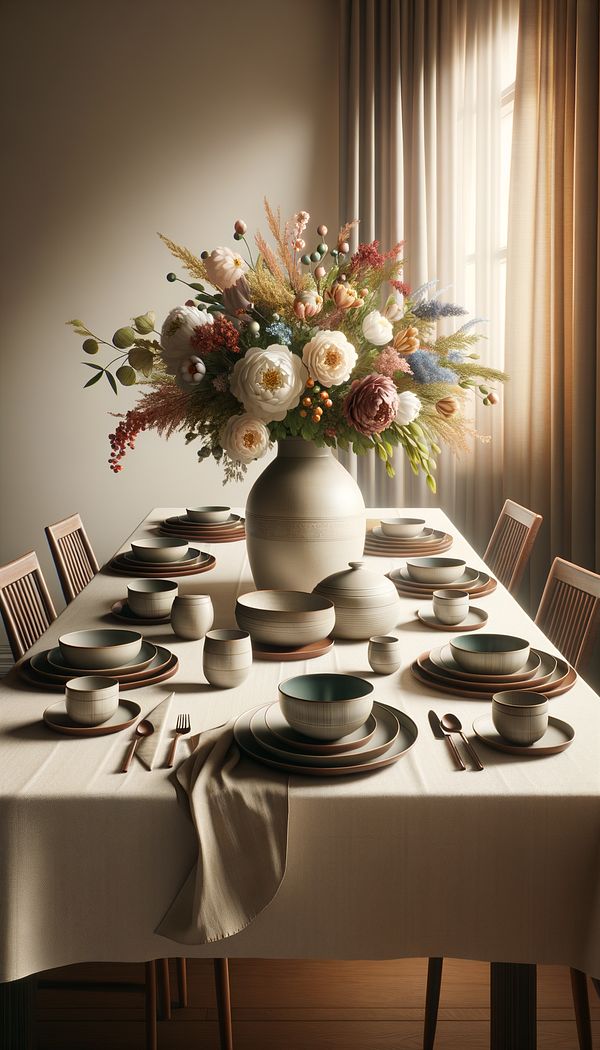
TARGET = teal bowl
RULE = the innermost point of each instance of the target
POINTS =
(490, 653)
(326, 706)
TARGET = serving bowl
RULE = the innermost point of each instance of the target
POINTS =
(160, 549)
(91, 700)
(326, 706)
(208, 515)
(97, 649)
(490, 653)
(520, 715)
(435, 570)
(404, 528)
(285, 618)
(152, 598)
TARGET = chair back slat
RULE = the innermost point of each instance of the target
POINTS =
(73, 555)
(569, 610)
(511, 543)
(25, 603)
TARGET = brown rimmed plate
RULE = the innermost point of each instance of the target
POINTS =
(57, 663)
(475, 619)
(468, 581)
(182, 519)
(40, 666)
(557, 737)
(57, 719)
(33, 678)
(122, 568)
(388, 728)
(406, 738)
(301, 652)
(297, 742)
(192, 557)
(121, 611)
(443, 661)
(380, 552)
(475, 592)
(230, 537)
(560, 682)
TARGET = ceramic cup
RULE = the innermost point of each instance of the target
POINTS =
(227, 658)
(384, 653)
(91, 700)
(192, 615)
(451, 607)
(520, 716)
(151, 598)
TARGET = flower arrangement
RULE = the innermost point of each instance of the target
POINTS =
(280, 344)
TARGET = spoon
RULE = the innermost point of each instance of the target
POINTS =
(452, 724)
(142, 729)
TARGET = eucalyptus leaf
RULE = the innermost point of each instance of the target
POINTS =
(90, 364)
(112, 381)
(141, 359)
(126, 375)
(94, 379)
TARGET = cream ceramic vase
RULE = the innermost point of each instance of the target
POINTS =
(305, 518)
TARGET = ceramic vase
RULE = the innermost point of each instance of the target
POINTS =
(305, 518)
(192, 616)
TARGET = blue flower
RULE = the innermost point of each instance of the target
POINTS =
(279, 331)
(433, 310)
(427, 369)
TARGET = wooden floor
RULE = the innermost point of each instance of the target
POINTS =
(299, 1005)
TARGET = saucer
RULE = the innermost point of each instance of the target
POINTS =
(475, 619)
(56, 718)
(557, 737)
(121, 611)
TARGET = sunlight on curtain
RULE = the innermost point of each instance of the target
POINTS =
(427, 93)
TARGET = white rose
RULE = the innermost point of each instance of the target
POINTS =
(377, 330)
(176, 335)
(268, 382)
(244, 438)
(329, 358)
(409, 407)
(224, 267)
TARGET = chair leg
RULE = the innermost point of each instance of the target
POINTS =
(164, 983)
(581, 1003)
(182, 985)
(151, 1034)
(221, 967)
(432, 1001)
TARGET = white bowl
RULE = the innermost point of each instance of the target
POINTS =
(450, 607)
(93, 650)
(208, 515)
(520, 715)
(91, 700)
(405, 528)
(326, 706)
(160, 549)
(285, 618)
(490, 653)
(435, 570)
(151, 597)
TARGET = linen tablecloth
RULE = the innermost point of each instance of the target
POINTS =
(91, 859)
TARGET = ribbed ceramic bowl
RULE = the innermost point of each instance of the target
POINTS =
(208, 515)
(490, 653)
(285, 618)
(404, 528)
(435, 570)
(151, 597)
(160, 549)
(326, 706)
(94, 650)
(520, 716)
(91, 700)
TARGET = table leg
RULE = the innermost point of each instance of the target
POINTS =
(17, 1008)
(513, 1006)
(221, 967)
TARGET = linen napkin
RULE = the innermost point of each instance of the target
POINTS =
(149, 748)
(240, 811)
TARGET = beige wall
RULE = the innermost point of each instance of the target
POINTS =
(121, 119)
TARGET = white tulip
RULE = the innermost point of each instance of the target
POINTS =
(377, 330)
(409, 407)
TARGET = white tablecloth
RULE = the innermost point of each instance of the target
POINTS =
(414, 860)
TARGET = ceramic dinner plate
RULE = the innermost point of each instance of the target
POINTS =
(444, 661)
(546, 666)
(474, 592)
(427, 535)
(145, 678)
(289, 738)
(277, 653)
(560, 681)
(56, 718)
(193, 555)
(229, 536)
(182, 519)
(121, 611)
(467, 580)
(407, 735)
(40, 665)
(145, 656)
(377, 550)
(121, 567)
(557, 737)
(386, 732)
(476, 618)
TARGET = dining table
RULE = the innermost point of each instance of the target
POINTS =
(419, 859)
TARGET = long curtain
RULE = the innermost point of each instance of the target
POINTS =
(552, 440)
(421, 160)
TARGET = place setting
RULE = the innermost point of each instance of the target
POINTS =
(420, 577)
(402, 537)
(147, 602)
(205, 525)
(160, 556)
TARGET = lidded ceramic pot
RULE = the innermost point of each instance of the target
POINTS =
(366, 602)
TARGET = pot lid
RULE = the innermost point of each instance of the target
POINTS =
(358, 581)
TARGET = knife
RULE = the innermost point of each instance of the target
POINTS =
(440, 734)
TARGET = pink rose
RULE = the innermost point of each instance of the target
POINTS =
(371, 404)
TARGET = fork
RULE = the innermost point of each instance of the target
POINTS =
(182, 727)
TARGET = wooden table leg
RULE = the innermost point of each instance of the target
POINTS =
(221, 967)
(164, 983)
(182, 985)
(17, 1011)
(513, 1006)
(151, 1031)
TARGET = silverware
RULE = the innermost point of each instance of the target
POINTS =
(440, 734)
(451, 724)
(182, 726)
(142, 729)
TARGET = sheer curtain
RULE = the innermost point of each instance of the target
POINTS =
(426, 107)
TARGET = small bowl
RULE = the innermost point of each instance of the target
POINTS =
(435, 570)
(285, 618)
(151, 598)
(383, 653)
(450, 607)
(160, 549)
(405, 528)
(520, 715)
(90, 701)
(208, 515)
(93, 650)
(326, 706)
(490, 653)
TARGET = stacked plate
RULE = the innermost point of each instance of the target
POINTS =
(265, 736)
(192, 562)
(226, 531)
(428, 541)
(477, 583)
(541, 672)
(51, 669)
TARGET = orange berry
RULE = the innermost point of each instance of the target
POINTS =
(316, 418)
(318, 411)
(310, 383)
(328, 403)
(307, 402)
(324, 395)
(303, 413)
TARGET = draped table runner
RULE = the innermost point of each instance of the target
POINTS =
(91, 860)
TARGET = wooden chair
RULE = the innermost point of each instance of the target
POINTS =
(511, 543)
(74, 558)
(25, 603)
